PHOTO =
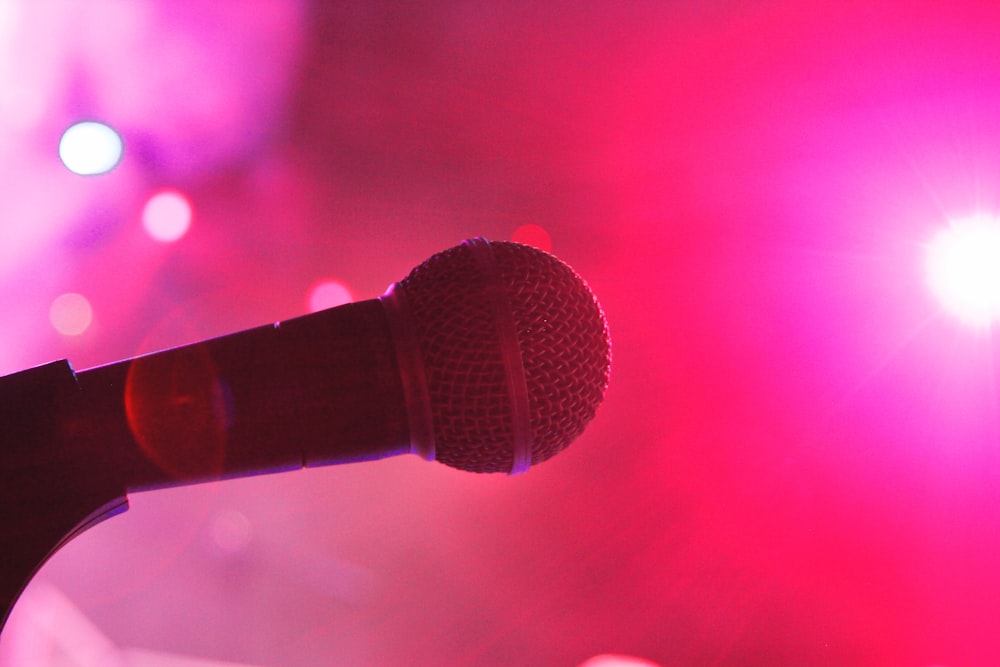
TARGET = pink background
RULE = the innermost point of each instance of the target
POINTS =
(798, 461)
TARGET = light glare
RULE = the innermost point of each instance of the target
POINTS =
(90, 148)
(963, 269)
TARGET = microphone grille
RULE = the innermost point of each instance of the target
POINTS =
(564, 347)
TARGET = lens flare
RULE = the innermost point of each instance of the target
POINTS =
(963, 269)
(179, 411)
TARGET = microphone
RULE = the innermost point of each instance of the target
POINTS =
(489, 357)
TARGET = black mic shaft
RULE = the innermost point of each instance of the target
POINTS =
(319, 389)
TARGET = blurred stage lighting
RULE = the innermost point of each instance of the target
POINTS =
(167, 216)
(963, 269)
(49, 630)
(533, 235)
(231, 531)
(327, 294)
(70, 314)
(616, 660)
(90, 148)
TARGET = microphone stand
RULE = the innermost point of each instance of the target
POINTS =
(314, 390)
(47, 495)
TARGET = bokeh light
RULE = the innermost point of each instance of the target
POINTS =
(533, 235)
(963, 269)
(71, 314)
(90, 148)
(327, 294)
(167, 216)
(615, 660)
(231, 531)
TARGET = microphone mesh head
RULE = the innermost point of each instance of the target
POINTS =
(564, 346)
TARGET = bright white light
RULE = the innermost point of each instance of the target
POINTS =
(90, 148)
(70, 314)
(963, 269)
(167, 216)
(327, 294)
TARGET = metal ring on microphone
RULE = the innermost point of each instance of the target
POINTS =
(416, 395)
(482, 253)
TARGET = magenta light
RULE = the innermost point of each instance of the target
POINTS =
(71, 314)
(533, 235)
(167, 216)
(615, 660)
(963, 269)
(327, 294)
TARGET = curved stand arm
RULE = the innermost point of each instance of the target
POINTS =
(47, 496)
(315, 390)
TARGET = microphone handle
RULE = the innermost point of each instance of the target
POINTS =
(319, 389)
